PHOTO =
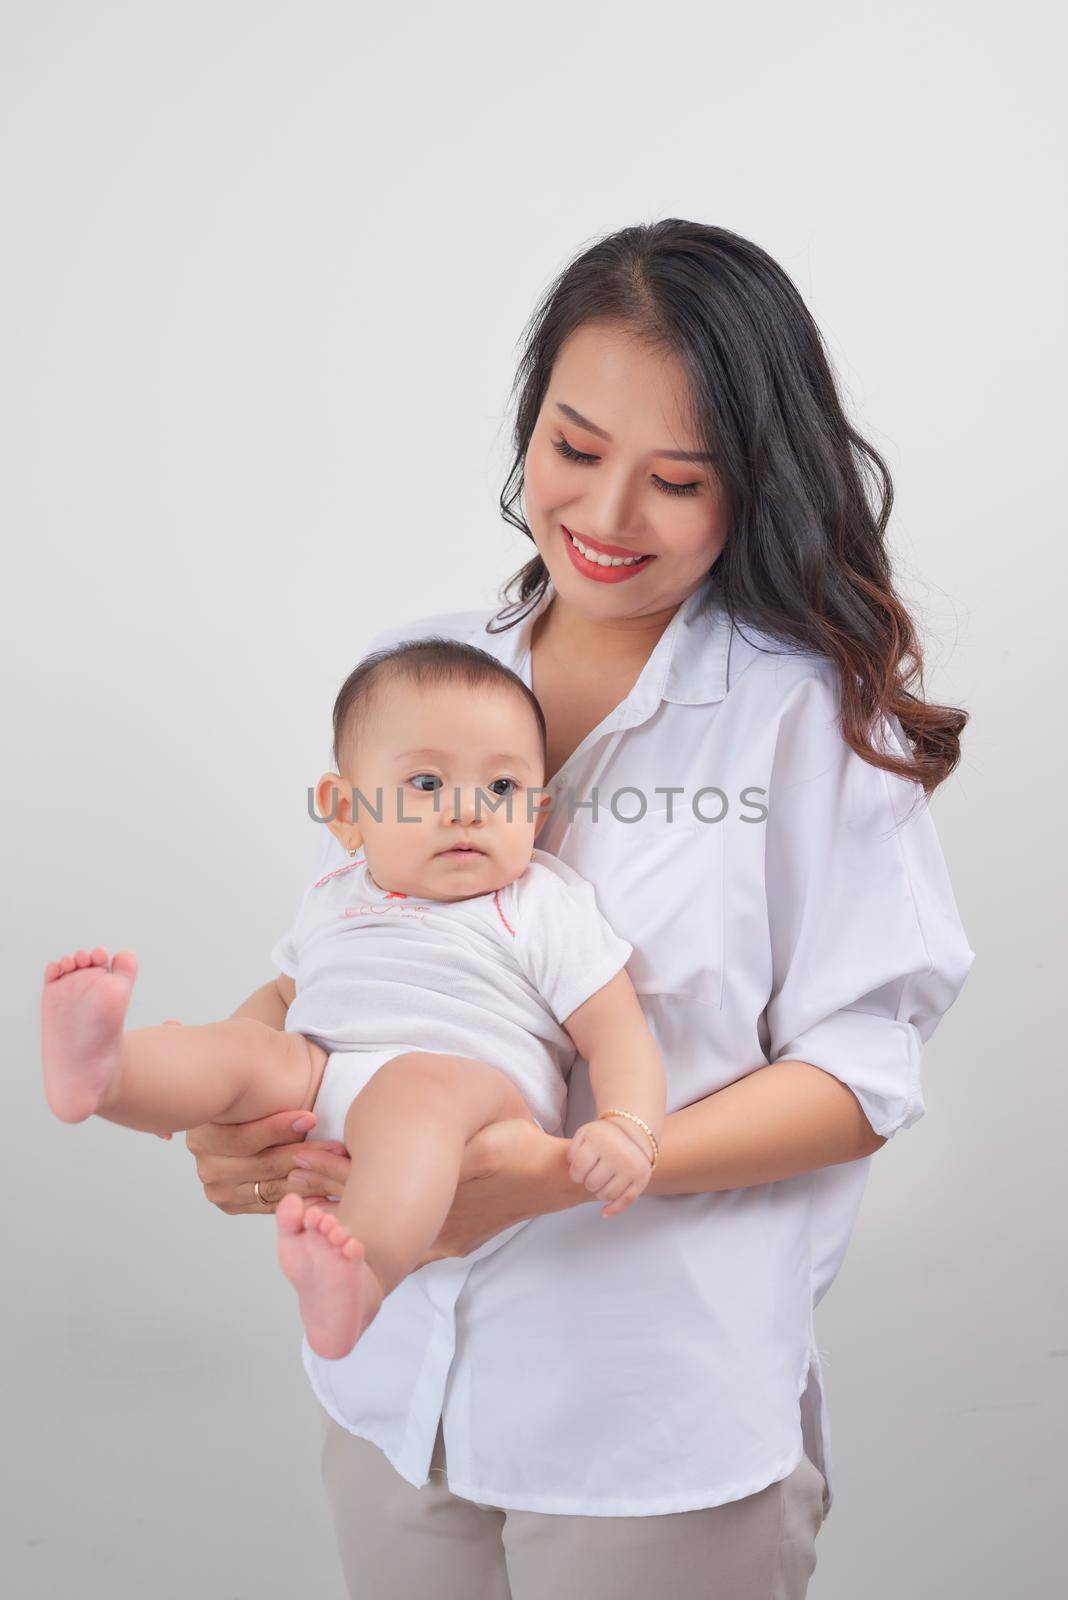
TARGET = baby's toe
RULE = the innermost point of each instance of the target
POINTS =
(288, 1216)
(125, 962)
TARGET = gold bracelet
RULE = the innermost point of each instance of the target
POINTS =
(643, 1125)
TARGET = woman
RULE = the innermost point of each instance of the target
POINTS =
(640, 1399)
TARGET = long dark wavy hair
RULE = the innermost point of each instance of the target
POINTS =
(805, 560)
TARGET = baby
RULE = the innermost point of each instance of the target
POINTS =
(442, 980)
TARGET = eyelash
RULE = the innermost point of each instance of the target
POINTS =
(513, 781)
(579, 455)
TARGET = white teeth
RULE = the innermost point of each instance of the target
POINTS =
(603, 560)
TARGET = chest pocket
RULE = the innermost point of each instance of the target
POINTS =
(660, 885)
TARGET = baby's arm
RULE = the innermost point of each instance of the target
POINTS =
(614, 1157)
(271, 1002)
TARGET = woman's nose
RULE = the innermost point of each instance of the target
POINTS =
(609, 510)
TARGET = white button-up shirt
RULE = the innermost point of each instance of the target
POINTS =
(665, 1359)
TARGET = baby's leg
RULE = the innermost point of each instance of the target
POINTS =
(164, 1079)
(405, 1133)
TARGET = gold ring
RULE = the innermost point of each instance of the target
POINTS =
(259, 1197)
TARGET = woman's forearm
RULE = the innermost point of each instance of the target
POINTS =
(784, 1119)
(781, 1120)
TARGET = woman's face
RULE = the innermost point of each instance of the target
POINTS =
(600, 465)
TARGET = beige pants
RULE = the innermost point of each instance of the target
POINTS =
(401, 1543)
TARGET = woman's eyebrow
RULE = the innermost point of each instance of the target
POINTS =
(591, 427)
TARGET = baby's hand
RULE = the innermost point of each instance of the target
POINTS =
(612, 1165)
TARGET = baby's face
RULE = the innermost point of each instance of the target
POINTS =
(443, 759)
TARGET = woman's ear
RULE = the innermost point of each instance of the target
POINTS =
(333, 802)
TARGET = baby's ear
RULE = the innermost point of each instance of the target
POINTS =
(333, 802)
(543, 805)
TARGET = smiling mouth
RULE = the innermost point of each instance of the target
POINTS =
(614, 557)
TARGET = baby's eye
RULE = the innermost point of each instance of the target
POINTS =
(433, 778)
(512, 782)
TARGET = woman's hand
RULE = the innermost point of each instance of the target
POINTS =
(510, 1171)
(231, 1157)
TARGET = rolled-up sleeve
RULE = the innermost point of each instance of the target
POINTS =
(868, 950)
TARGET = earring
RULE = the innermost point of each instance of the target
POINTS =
(355, 852)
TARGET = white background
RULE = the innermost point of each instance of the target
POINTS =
(264, 273)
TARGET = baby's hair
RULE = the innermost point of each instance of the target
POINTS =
(426, 663)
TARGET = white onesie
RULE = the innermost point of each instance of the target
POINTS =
(493, 977)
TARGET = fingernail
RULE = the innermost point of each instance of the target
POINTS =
(302, 1124)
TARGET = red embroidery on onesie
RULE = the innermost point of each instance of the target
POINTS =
(395, 894)
(337, 872)
(500, 913)
(380, 909)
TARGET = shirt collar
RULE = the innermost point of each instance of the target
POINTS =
(688, 666)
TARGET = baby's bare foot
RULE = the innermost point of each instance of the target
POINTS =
(83, 1009)
(338, 1292)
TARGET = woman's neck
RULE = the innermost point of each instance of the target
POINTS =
(580, 670)
(610, 645)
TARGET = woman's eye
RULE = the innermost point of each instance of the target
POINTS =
(675, 488)
(580, 455)
(572, 455)
(430, 775)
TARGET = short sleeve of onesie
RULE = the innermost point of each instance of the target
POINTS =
(285, 953)
(563, 942)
